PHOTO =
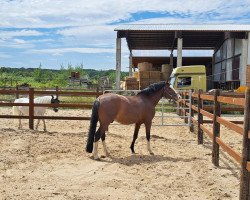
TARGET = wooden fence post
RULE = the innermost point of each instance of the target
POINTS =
(178, 107)
(216, 128)
(17, 93)
(200, 118)
(185, 107)
(31, 108)
(97, 91)
(191, 128)
(245, 174)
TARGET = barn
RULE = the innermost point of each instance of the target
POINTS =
(229, 44)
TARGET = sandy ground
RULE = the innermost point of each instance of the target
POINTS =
(54, 165)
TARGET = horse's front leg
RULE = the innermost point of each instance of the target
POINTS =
(148, 128)
(137, 127)
(44, 125)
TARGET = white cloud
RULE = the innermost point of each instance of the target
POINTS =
(61, 13)
(61, 51)
(19, 33)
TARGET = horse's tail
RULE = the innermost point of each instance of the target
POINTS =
(92, 129)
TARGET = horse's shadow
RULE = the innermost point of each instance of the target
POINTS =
(137, 159)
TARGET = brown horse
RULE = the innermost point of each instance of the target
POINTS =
(139, 109)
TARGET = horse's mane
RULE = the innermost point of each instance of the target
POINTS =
(153, 88)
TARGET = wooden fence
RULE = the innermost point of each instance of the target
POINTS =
(31, 93)
(220, 103)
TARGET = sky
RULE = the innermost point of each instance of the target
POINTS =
(56, 33)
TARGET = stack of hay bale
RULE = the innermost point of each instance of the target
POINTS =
(166, 71)
(146, 76)
(131, 83)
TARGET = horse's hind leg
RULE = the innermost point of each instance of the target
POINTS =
(148, 127)
(104, 145)
(38, 121)
(98, 135)
(136, 131)
(20, 123)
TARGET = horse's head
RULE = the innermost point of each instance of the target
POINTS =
(170, 93)
(55, 101)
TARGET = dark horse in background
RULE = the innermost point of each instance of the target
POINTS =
(139, 109)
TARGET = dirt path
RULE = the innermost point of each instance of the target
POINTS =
(54, 165)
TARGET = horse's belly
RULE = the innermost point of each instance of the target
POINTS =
(126, 119)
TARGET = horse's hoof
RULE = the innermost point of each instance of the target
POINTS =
(97, 159)
(152, 154)
(103, 156)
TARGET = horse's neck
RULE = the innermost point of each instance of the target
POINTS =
(155, 97)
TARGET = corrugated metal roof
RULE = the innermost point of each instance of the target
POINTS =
(184, 27)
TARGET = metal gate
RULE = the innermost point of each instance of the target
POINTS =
(168, 109)
(163, 108)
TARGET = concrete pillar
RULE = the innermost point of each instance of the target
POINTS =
(118, 63)
(179, 52)
(244, 61)
(130, 63)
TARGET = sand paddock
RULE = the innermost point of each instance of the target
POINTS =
(54, 165)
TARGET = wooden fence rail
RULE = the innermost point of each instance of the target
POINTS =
(240, 102)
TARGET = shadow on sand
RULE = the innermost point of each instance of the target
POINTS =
(137, 159)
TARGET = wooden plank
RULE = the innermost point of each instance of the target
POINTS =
(44, 117)
(207, 114)
(224, 108)
(229, 150)
(194, 121)
(14, 104)
(245, 174)
(232, 121)
(230, 125)
(233, 101)
(62, 93)
(207, 97)
(209, 133)
(195, 95)
(195, 108)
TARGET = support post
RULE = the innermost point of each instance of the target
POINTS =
(200, 118)
(17, 93)
(191, 127)
(179, 52)
(245, 174)
(118, 63)
(31, 108)
(216, 128)
(171, 60)
(130, 63)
